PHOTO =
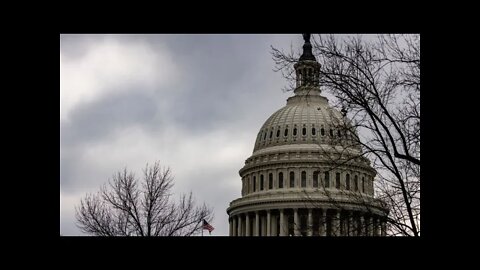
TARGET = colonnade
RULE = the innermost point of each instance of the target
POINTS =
(307, 222)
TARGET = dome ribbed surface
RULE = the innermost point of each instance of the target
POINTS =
(310, 113)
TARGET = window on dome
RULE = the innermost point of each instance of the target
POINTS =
(280, 180)
(322, 131)
(347, 182)
(265, 136)
(331, 132)
(339, 133)
(363, 184)
(261, 182)
(254, 184)
(286, 132)
(295, 132)
(292, 179)
(270, 181)
(271, 133)
(304, 131)
(278, 133)
(355, 181)
(326, 182)
(313, 131)
(315, 179)
(304, 179)
(337, 179)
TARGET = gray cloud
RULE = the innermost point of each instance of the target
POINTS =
(202, 122)
(98, 119)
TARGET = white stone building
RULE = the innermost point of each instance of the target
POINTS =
(305, 176)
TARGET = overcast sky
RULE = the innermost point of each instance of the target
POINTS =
(193, 102)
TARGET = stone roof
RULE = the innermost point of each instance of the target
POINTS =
(311, 116)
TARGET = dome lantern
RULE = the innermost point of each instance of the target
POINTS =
(307, 71)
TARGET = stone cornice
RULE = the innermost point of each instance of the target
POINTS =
(306, 162)
(304, 203)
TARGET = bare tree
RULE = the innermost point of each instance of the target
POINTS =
(376, 84)
(126, 208)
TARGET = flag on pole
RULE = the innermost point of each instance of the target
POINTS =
(207, 226)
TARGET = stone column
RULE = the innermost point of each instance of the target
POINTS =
(257, 224)
(362, 225)
(365, 225)
(337, 223)
(264, 225)
(274, 225)
(269, 227)
(247, 225)
(310, 223)
(323, 223)
(370, 226)
(234, 227)
(230, 233)
(240, 225)
(296, 222)
(282, 224)
(350, 223)
(343, 223)
(383, 227)
(377, 226)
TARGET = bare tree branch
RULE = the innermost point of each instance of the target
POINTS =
(378, 83)
(123, 208)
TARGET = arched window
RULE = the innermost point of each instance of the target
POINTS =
(347, 182)
(270, 181)
(363, 184)
(326, 181)
(322, 131)
(292, 179)
(286, 132)
(265, 136)
(254, 183)
(331, 132)
(304, 131)
(337, 181)
(304, 179)
(295, 132)
(280, 180)
(278, 133)
(315, 179)
(271, 133)
(314, 132)
(339, 133)
(261, 182)
(355, 181)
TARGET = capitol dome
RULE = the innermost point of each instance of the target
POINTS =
(306, 119)
(306, 175)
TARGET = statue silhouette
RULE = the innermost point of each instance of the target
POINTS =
(306, 37)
